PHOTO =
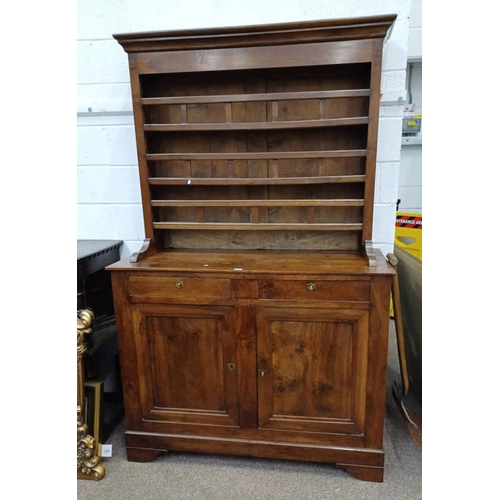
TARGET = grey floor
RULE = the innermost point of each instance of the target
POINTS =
(186, 476)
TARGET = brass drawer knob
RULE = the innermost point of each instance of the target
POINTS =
(262, 373)
(311, 286)
(179, 284)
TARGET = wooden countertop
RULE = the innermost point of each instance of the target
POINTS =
(257, 262)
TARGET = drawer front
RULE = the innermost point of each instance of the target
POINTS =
(315, 290)
(178, 288)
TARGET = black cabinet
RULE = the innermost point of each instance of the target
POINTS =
(101, 358)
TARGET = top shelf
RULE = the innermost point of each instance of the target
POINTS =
(259, 97)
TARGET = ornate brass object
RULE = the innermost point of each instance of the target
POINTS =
(179, 284)
(311, 286)
(88, 461)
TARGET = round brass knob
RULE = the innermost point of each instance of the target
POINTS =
(311, 286)
(179, 284)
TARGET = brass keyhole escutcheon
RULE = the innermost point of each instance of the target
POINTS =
(231, 366)
(311, 286)
(179, 284)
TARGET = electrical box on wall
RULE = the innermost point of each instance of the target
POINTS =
(411, 129)
(411, 124)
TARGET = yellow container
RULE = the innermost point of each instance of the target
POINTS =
(408, 236)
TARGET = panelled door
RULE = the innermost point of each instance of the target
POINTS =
(187, 355)
(312, 369)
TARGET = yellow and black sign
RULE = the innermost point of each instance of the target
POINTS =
(412, 221)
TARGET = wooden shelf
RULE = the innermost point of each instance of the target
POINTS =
(226, 226)
(257, 203)
(247, 181)
(282, 155)
(260, 97)
(276, 125)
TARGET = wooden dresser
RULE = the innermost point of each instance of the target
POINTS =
(254, 320)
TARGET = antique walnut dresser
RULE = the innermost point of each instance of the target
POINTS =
(254, 320)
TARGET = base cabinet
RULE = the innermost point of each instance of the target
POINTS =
(280, 377)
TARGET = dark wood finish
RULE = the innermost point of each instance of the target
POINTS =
(375, 474)
(93, 283)
(258, 123)
(259, 35)
(142, 455)
(254, 320)
(347, 457)
(311, 366)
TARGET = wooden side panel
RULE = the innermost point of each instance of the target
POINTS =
(377, 360)
(372, 137)
(140, 138)
(125, 328)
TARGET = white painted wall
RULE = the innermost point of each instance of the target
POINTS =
(410, 174)
(108, 196)
(415, 32)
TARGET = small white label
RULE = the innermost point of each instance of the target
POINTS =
(106, 450)
(189, 181)
(238, 269)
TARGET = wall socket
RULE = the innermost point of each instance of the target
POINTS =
(106, 450)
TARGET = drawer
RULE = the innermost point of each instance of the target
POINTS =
(315, 290)
(175, 288)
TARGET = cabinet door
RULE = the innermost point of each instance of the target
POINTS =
(186, 364)
(312, 369)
